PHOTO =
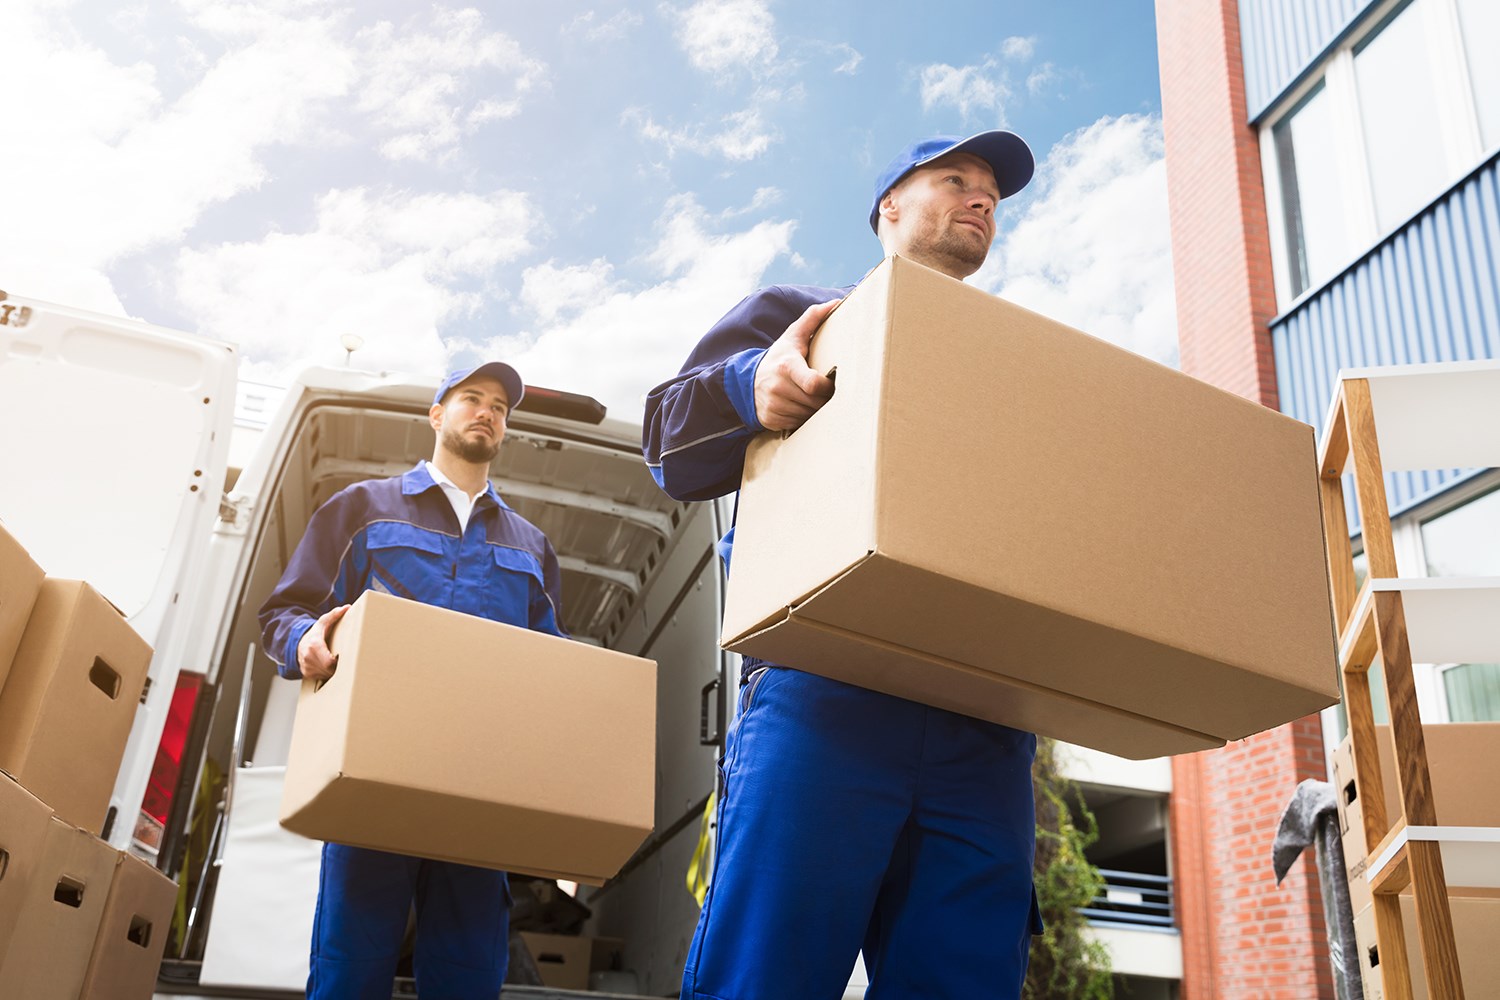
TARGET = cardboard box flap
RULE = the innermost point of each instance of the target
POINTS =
(906, 606)
(959, 687)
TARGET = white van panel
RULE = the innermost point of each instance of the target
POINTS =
(114, 436)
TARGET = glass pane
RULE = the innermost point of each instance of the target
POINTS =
(1311, 192)
(1466, 540)
(1481, 29)
(1473, 691)
(1398, 106)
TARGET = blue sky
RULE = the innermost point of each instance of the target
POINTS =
(579, 187)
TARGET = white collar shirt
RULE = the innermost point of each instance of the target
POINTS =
(463, 504)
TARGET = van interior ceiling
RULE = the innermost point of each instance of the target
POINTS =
(585, 487)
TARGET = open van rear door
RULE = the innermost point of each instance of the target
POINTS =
(113, 437)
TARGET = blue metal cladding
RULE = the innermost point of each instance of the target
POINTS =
(1281, 39)
(1428, 292)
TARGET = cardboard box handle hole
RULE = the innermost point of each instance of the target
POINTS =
(1349, 793)
(139, 932)
(4, 861)
(550, 956)
(68, 892)
(1374, 955)
(105, 678)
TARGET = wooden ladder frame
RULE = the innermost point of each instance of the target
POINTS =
(1372, 626)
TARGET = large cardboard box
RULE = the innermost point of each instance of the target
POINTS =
(66, 711)
(20, 579)
(1476, 929)
(49, 951)
(999, 515)
(1454, 750)
(23, 834)
(448, 736)
(132, 933)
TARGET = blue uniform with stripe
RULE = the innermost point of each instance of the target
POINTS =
(401, 536)
(849, 820)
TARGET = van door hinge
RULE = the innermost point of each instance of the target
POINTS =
(231, 506)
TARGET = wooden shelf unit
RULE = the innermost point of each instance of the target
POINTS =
(1434, 416)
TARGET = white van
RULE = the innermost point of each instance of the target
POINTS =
(114, 437)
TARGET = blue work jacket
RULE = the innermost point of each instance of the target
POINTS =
(401, 536)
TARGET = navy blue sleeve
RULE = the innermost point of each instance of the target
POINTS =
(545, 613)
(698, 424)
(319, 577)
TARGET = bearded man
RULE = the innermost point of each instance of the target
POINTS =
(439, 534)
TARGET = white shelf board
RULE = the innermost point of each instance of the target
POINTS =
(1448, 619)
(1435, 416)
(1471, 854)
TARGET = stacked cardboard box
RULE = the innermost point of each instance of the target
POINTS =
(20, 579)
(78, 919)
(1453, 752)
(432, 739)
(60, 914)
(70, 699)
(1004, 517)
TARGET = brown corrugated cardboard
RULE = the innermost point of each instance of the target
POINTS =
(438, 738)
(66, 710)
(1476, 928)
(132, 933)
(49, 951)
(565, 962)
(23, 832)
(20, 578)
(1002, 516)
(1453, 750)
(562, 961)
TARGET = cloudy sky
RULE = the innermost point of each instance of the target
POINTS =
(580, 187)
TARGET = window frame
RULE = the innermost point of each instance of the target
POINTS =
(1459, 125)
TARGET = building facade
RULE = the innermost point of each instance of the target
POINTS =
(1332, 178)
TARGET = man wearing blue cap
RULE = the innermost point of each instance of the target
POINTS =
(438, 534)
(851, 819)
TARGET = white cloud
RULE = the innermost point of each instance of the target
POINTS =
(849, 57)
(1018, 48)
(550, 291)
(739, 136)
(1093, 247)
(628, 340)
(615, 28)
(389, 266)
(970, 89)
(109, 166)
(419, 80)
(720, 36)
(1039, 78)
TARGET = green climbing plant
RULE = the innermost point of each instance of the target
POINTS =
(1065, 963)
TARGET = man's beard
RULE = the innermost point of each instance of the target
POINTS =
(476, 450)
(954, 246)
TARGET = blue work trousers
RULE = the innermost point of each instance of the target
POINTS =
(851, 819)
(364, 899)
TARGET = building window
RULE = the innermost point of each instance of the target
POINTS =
(1480, 22)
(1386, 122)
(1465, 541)
(1311, 196)
(1398, 106)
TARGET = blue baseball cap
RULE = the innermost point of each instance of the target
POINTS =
(498, 370)
(1006, 153)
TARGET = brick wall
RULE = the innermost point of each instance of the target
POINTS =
(1243, 937)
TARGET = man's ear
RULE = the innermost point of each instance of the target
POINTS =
(435, 417)
(889, 211)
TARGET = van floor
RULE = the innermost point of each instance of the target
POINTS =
(186, 973)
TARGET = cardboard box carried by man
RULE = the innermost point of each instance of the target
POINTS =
(1002, 516)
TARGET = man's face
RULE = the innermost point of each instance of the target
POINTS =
(470, 421)
(943, 213)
